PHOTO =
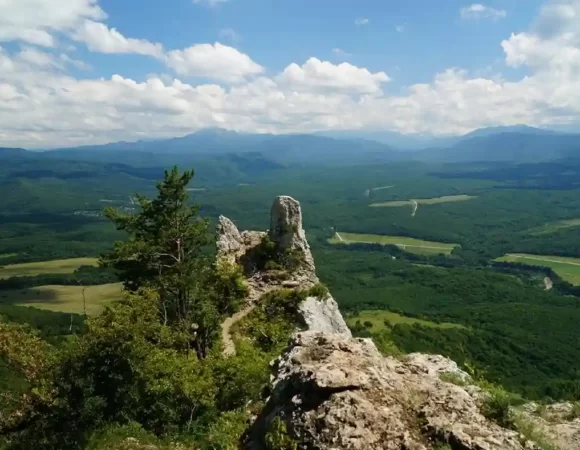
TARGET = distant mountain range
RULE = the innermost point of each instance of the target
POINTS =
(507, 144)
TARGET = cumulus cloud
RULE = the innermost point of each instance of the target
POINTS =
(43, 105)
(100, 38)
(479, 11)
(361, 21)
(316, 74)
(37, 21)
(214, 61)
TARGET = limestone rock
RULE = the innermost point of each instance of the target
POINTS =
(286, 227)
(323, 315)
(335, 392)
(230, 244)
(435, 365)
(557, 422)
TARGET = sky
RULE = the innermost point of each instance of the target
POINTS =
(93, 71)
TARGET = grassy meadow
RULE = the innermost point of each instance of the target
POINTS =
(424, 201)
(60, 266)
(382, 320)
(567, 268)
(408, 244)
(67, 299)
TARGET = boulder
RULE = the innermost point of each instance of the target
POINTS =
(336, 392)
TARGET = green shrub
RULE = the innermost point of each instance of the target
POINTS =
(226, 431)
(531, 432)
(319, 290)
(497, 407)
(453, 378)
(277, 437)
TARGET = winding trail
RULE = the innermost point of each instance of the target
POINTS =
(339, 237)
(229, 345)
(415, 207)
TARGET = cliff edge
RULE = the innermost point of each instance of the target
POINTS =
(332, 391)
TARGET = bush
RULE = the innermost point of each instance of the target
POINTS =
(497, 407)
(226, 431)
(277, 437)
(319, 290)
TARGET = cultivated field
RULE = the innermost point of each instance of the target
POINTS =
(424, 201)
(567, 268)
(555, 226)
(405, 243)
(378, 318)
(60, 266)
(68, 299)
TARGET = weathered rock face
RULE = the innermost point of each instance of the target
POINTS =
(335, 392)
(557, 422)
(324, 316)
(286, 227)
(230, 244)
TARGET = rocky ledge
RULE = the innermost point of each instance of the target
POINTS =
(332, 391)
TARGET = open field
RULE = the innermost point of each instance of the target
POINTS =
(67, 299)
(555, 226)
(567, 268)
(408, 244)
(378, 318)
(59, 266)
(424, 201)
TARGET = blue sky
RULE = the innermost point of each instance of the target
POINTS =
(100, 70)
(273, 32)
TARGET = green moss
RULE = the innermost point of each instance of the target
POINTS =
(318, 290)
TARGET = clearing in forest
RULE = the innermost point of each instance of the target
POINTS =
(567, 268)
(66, 299)
(552, 227)
(59, 266)
(424, 201)
(408, 244)
(382, 320)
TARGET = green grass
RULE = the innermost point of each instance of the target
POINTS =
(377, 318)
(67, 299)
(424, 201)
(60, 266)
(408, 244)
(552, 227)
(567, 268)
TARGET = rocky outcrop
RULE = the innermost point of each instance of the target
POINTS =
(559, 423)
(287, 232)
(324, 316)
(286, 227)
(335, 392)
(332, 391)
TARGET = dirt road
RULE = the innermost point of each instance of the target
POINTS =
(415, 207)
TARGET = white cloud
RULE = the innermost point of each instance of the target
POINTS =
(42, 105)
(210, 3)
(340, 52)
(100, 38)
(479, 11)
(213, 61)
(316, 74)
(361, 21)
(230, 35)
(37, 21)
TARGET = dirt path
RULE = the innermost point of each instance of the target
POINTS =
(229, 345)
(339, 237)
(548, 283)
(415, 207)
(256, 293)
